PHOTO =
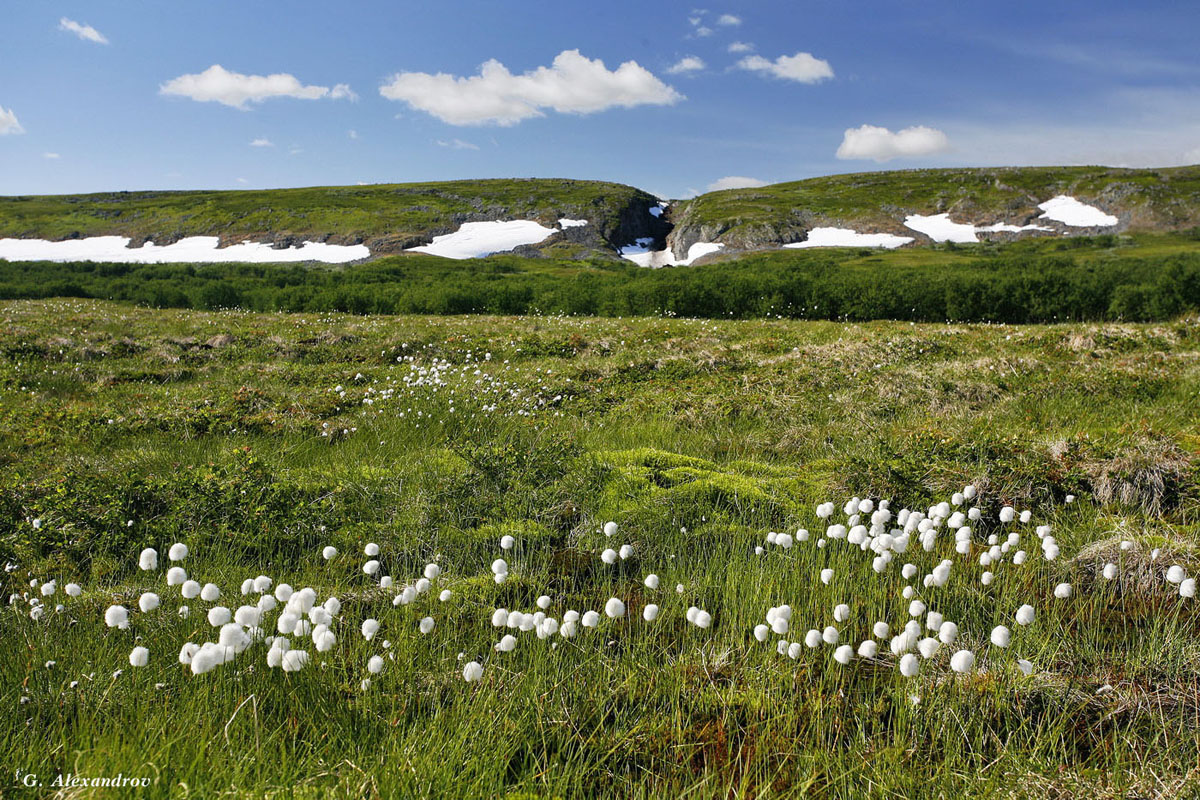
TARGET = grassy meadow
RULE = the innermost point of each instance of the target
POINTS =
(258, 439)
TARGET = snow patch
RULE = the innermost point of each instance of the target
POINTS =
(656, 211)
(641, 254)
(479, 239)
(193, 249)
(1004, 227)
(845, 237)
(1069, 211)
(940, 228)
(572, 223)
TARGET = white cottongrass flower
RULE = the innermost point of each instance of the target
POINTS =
(784, 540)
(323, 639)
(116, 617)
(176, 576)
(869, 648)
(73, 589)
(1187, 587)
(247, 586)
(1006, 515)
(472, 672)
(843, 654)
(375, 665)
(370, 627)
(928, 647)
(148, 602)
(651, 581)
(371, 550)
(614, 608)
(703, 619)
(1110, 571)
(962, 661)
(499, 618)
(830, 635)
(148, 559)
(138, 657)
(761, 632)
(826, 575)
(948, 632)
(679, 588)
(177, 551)
(190, 589)
(793, 650)
(1026, 667)
(841, 612)
(1175, 574)
(48, 588)
(328, 552)
(916, 608)
(294, 660)
(432, 571)
(1025, 615)
(880, 630)
(1062, 591)
(626, 551)
(184, 612)
(210, 593)
(186, 652)
(507, 542)
(591, 619)
(609, 556)
(499, 567)
(909, 664)
(426, 624)
(371, 567)
(507, 644)
(610, 528)
(1001, 636)
(218, 616)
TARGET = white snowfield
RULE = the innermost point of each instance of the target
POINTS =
(571, 223)
(846, 237)
(1069, 211)
(196, 249)
(939, 228)
(641, 254)
(479, 239)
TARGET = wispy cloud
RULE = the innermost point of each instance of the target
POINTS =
(729, 20)
(740, 47)
(572, 84)
(82, 31)
(456, 144)
(51, 156)
(262, 142)
(734, 182)
(9, 123)
(219, 85)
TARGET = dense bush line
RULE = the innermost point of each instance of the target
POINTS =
(1009, 285)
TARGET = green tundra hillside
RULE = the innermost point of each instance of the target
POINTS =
(385, 217)
(745, 219)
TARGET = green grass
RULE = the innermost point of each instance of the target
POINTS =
(206, 427)
(388, 217)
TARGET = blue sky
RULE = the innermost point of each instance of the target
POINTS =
(97, 96)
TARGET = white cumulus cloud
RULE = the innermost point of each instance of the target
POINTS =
(573, 84)
(686, 64)
(262, 142)
(734, 182)
(740, 47)
(880, 144)
(217, 84)
(802, 67)
(729, 19)
(51, 156)
(82, 31)
(8, 122)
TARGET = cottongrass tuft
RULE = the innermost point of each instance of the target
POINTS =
(614, 608)
(472, 672)
(139, 656)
